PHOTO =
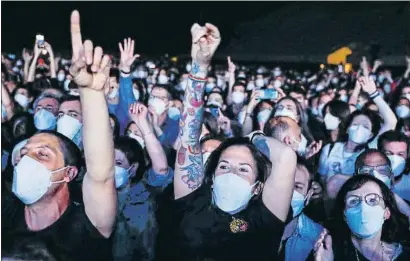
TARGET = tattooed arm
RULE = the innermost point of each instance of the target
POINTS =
(189, 170)
(278, 188)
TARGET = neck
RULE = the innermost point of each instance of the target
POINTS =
(48, 210)
(334, 134)
(350, 146)
(368, 247)
(290, 228)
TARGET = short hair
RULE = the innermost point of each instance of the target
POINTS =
(67, 98)
(392, 136)
(114, 72)
(302, 165)
(116, 130)
(368, 152)
(298, 90)
(166, 87)
(22, 125)
(134, 154)
(29, 250)
(71, 152)
(44, 96)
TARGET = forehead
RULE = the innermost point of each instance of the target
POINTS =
(238, 154)
(368, 187)
(71, 105)
(215, 96)
(302, 175)
(406, 90)
(395, 145)
(374, 159)
(362, 119)
(159, 91)
(22, 90)
(287, 103)
(44, 139)
(119, 155)
(239, 87)
(47, 101)
(211, 144)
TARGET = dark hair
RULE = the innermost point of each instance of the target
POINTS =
(211, 123)
(71, 153)
(303, 119)
(67, 98)
(368, 152)
(33, 250)
(339, 109)
(114, 72)
(374, 119)
(392, 136)
(397, 94)
(261, 162)
(209, 137)
(134, 154)
(141, 89)
(403, 123)
(22, 125)
(298, 89)
(116, 131)
(41, 84)
(391, 227)
(166, 87)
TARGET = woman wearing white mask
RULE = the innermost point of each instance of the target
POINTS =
(23, 97)
(336, 116)
(403, 108)
(368, 224)
(362, 128)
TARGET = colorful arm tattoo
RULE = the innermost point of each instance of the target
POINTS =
(189, 167)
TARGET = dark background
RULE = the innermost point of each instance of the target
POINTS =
(157, 27)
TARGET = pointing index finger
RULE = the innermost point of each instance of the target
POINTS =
(76, 39)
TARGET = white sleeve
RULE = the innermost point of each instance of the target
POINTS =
(323, 164)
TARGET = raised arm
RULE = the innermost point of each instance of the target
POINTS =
(189, 171)
(53, 69)
(407, 72)
(27, 58)
(385, 111)
(33, 66)
(7, 102)
(99, 193)
(355, 94)
(247, 125)
(231, 70)
(278, 188)
(138, 114)
(365, 67)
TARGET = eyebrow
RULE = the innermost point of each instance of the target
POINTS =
(71, 111)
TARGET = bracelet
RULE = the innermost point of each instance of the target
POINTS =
(144, 135)
(125, 72)
(374, 95)
(197, 78)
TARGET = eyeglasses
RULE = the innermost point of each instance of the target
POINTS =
(384, 170)
(371, 199)
(158, 97)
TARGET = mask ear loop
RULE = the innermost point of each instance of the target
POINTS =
(57, 170)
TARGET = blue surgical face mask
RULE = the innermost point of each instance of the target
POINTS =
(365, 221)
(174, 113)
(263, 116)
(209, 86)
(297, 203)
(121, 176)
(45, 120)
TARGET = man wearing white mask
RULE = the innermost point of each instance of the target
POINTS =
(301, 232)
(395, 145)
(45, 112)
(70, 120)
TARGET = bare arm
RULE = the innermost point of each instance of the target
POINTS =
(231, 70)
(407, 72)
(385, 111)
(33, 66)
(7, 102)
(138, 113)
(99, 193)
(27, 58)
(247, 126)
(355, 94)
(53, 70)
(365, 67)
(376, 65)
(188, 167)
(278, 188)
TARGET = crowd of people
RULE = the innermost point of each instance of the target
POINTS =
(131, 159)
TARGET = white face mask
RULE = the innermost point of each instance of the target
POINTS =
(331, 122)
(398, 164)
(358, 134)
(69, 126)
(259, 83)
(297, 203)
(136, 94)
(220, 83)
(250, 86)
(301, 149)
(277, 84)
(31, 180)
(263, 116)
(140, 140)
(21, 99)
(285, 113)
(277, 72)
(113, 93)
(158, 105)
(60, 77)
(188, 67)
(231, 192)
(238, 97)
(162, 79)
(402, 111)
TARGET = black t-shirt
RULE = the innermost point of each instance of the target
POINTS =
(193, 229)
(71, 237)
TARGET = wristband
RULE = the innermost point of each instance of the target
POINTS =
(125, 72)
(374, 95)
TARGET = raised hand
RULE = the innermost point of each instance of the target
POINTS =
(231, 65)
(323, 247)
(83, 56)
(224, 123)
(363, 63)
(205, 41)
(26, 56)
(367, 85)
(127, 55)
(378, 63)
(49, 49)
(255, 99)
(138, 114)
(313, 149)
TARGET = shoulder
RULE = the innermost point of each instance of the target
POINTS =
(260, 217)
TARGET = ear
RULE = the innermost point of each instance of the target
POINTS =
(70, 174)
(287, 140)
(258, 189)
(308, 196)
(387, 214)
